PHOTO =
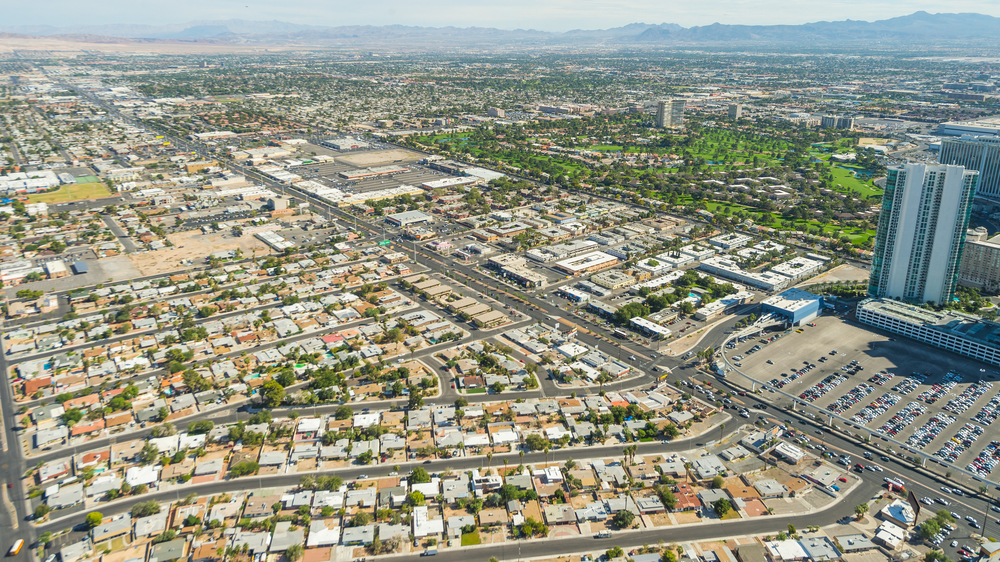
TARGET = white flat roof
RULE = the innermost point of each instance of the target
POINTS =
(585, 261)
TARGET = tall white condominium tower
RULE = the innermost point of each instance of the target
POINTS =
(670, 113)
(921, 231)
(979, 153)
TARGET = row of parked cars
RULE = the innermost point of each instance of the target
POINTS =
(937, 391)
(852, 397)
(963, 440)
(930, 430)
(822, 388)
(987, 460)
(902, 418)
(910, 383)
(876, 408)
(967, 398)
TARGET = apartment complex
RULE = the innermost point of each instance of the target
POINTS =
(925, 213)
(836, 122)
(980, 266)
(980, 153)
(670, 113)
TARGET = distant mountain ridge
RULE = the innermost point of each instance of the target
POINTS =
(917, 28)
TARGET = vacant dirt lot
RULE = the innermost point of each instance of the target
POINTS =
(378, 157)
(195, 246)
(839, 274)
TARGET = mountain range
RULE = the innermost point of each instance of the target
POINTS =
(920, 28)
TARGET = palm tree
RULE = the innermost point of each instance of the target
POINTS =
(722, 427)
(546, 455)
(603, 378)
(505, 461)
(489, 461)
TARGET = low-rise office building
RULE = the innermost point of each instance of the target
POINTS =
(587, 263)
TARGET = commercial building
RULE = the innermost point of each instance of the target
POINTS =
(729, 269)
(649, 328)
(979, 153)
(921, 232)
(730, 241)
(491, 319)
(513, 266)
(345, 144)
(983, 126)
(372, 172)
(446, 183)
(798, 268)
(587, 263)
(408, 218)
(735, 110)
(953, 331)
(613, 279)
(670, 113)
(980, 266)
(795, 305)
(723, 306)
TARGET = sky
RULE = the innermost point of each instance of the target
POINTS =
(547, 15)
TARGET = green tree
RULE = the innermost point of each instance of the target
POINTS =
(244, 468)
(93, 519)
(42, 510)
(718, 482)
(272, 394)
(145, 509)
(294, 552)
(722, 507)
(860, 510)
(623, 519)
(928, 529)
(419, 476)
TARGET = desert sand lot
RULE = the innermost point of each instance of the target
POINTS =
(377, 157)
(839, 274)
(193, 245)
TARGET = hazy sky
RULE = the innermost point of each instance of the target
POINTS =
(549, 15)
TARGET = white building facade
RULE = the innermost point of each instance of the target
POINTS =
(921, 233)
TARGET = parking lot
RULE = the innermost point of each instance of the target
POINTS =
(327, 174)
(935, 402)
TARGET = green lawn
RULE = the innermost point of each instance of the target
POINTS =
(469, 539)
(856, 235)
(74, 192)
(843, 177)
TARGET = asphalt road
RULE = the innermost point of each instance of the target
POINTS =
(123, 236)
